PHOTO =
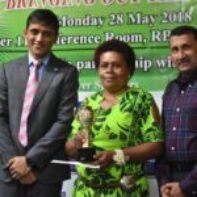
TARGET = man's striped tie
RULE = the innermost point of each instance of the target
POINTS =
(30, 91)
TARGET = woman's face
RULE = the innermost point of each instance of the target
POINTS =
(113, 71)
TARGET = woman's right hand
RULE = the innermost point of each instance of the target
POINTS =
(72, 146)
(81, 139)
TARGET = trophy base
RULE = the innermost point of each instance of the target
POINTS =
(86, 154)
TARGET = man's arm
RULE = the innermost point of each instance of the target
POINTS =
(7, 147)
(189, 183)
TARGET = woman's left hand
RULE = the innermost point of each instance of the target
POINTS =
(104, 158)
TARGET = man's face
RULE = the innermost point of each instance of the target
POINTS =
(40, 39)
(184, 52)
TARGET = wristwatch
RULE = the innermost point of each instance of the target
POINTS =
(119, 157)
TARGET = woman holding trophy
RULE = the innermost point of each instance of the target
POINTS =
(119, 126)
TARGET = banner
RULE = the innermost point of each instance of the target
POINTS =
(84, 24)
(144, 24)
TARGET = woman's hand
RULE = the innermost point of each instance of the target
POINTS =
(104, 158)
(72, 146)
(80, 139)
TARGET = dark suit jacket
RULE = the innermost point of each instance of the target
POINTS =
(49, 121)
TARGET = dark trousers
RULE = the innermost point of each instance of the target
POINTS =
(15, 189)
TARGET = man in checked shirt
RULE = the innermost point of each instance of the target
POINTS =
(180, 117)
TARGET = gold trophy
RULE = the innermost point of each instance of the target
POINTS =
(85, 154)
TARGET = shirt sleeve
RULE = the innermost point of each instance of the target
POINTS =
(150, 128)
(189, 184)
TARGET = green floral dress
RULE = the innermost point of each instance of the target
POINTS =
(126, 124)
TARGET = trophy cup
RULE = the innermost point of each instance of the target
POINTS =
(85, 154)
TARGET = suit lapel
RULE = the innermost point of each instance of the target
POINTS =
(49, 74)
(20, 80)
(23, 72)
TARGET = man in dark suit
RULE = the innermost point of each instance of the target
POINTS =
(25, 168)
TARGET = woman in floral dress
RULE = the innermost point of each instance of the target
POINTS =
(125, 130)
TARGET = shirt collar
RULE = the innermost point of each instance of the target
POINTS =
(185, 79)
(44, 60)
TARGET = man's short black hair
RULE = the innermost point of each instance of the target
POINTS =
(43, 16)
(184, 29)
